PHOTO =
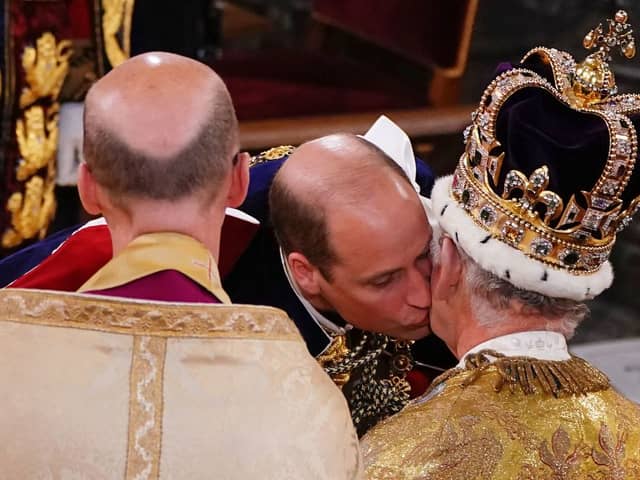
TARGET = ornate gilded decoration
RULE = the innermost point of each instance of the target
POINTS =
(374, 387)
(462, 451)
(113, 315)
(145, 407)
(530, 193)
(37, 135)
(530, 376)
(610, 452)
(575, 237)
(468, 427)
(335, 353)
(562, 458)
(45, 66)
(116, 24)
(30, 212)
(275, 153)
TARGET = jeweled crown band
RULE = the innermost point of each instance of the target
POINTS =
(502, 223)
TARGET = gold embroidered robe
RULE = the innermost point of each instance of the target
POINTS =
(98, 387)
(518, 419)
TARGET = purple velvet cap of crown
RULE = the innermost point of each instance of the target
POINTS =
(535, 129)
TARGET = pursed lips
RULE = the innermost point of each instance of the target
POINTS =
(421, 321)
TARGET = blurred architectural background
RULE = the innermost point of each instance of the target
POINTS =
(292, 80)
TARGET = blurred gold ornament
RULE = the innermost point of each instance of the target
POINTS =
(37, 137)
(30, 213)
(116, 25)
(45, 67)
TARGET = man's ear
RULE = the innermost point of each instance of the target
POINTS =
(88, 190)
(304, 273)
(448, 273)
(239, 180)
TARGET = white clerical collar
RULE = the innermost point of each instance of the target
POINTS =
(328, 328)
(542, 345)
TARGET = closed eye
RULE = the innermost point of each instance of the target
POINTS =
(383, 280)
(425, 254)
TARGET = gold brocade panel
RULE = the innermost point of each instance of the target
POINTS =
(474, 432)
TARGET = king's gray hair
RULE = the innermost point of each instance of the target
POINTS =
(492, 298)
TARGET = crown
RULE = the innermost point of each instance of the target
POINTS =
(539, 210)
(578, 233)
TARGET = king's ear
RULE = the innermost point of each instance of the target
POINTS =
(447, 273)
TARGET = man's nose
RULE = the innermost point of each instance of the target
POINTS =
(419, 294)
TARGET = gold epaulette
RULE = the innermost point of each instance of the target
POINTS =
(275, 153)
(529, 375)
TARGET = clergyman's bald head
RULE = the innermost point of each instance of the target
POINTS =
(160, 126)
(320, 176)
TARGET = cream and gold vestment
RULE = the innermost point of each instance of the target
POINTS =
(98, 387)
(515, 418)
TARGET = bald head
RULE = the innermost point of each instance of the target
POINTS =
(339, 168)
(331, 174)
(159, 126)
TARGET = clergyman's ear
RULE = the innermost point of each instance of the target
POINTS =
(304, 273)
(448, 272)
(88, 190)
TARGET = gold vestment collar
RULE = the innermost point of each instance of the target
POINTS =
(155, 252)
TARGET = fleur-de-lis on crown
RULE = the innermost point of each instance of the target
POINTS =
(532, 193)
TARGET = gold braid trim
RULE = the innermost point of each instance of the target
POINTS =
(558, 378)
(375, 387)
(139, 317)
(275, 153)
(146, 405)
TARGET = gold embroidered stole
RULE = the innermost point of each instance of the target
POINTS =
(145, 255)
(155, 252)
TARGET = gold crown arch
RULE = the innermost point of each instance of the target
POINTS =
(577, 237)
